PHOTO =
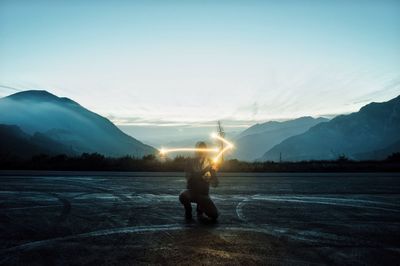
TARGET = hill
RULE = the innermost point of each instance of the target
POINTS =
(375, 127)
(68, 123)
(254, 141)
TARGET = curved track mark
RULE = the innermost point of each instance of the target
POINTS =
(328, 201)
(314, 200)
(308, 236)
(66, 207)
(105, 232)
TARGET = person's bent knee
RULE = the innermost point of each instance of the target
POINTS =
(184, 198)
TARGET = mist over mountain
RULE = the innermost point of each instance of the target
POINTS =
(371, 133)
(252, 143)
(68, 123)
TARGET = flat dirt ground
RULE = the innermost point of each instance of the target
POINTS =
(63, 218)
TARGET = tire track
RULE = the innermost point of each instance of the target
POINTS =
(65, 210)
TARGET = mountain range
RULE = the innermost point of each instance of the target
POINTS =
(69, 127)
(371, 133)
(253, 142)
(38, 122)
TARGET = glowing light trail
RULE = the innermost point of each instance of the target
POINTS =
(164, 151)
(228, 146)
(220, 152)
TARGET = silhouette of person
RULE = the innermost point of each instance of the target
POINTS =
(199, 175)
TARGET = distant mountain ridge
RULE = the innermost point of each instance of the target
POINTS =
(68, 123)
(252, 143)
(374, 129)
(16, 143)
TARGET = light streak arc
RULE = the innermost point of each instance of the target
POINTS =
(165, 150)
(227, 147)
(220, 152)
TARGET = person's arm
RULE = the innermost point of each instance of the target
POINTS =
(205, 170)
(214, 179)
(189, 169)
(190, 172)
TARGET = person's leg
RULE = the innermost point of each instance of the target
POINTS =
(207, 206)
(198, 210)
(185, 198)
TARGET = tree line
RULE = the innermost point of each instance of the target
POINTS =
(98, 162)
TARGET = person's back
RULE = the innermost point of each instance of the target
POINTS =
(199, 175)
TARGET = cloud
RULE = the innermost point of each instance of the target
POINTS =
(6, 89)
(391, 89)
(255, 109)
(137, 121)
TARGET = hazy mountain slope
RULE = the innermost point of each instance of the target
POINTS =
(375, 127)
(250, 145)
(15, 142)
(69, 123)
(259, 128)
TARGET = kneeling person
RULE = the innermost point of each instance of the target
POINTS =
(199, 175)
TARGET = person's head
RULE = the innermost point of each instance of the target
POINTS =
(201, 145)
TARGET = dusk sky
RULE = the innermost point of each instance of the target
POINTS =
(181, 64)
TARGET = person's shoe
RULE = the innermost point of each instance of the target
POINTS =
(206, 220)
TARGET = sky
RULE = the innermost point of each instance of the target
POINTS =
(172, 68)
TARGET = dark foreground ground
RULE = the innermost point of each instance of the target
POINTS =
(133, 219)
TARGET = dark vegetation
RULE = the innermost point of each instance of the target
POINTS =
(98, 162)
